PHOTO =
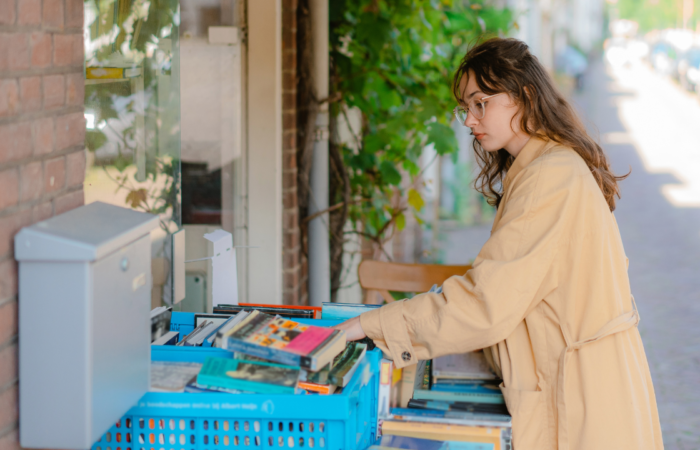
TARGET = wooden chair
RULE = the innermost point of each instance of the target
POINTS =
(382, 277)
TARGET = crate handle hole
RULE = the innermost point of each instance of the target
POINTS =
(119, 437)
(269, 427)
(226, 441)
(128, 437)
(290, 442)
(141, 423)
(191, 424)
(301, 426)
(281, 426)
(235, 426)
(246, 426)
(311, 442)
(128, 423)
(118, 424)
(321, 426)
(246, 439)
(192, 439)
(171, 424)
(206, 424)
(226, 426)
(291, 426)
(142, 439)
(161, 424)
(182, 424)
(216, 424)
(321, 442)
(172, 439)
(161, 439)
(256, 426)
(301, 442)
(206, 440)
(236, 441)
(280, 441)
(270, 441)
(311, 427)
(257, 441)
(183, 439)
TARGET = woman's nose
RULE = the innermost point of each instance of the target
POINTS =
(471, 120)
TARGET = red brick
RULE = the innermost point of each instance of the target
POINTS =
(8, 364)
(9, 97)
(8, 310)
(54, 91)
(42, 212)
(53, 13)
(74, 13)
(9, 410)
(15, 141)
(67, 49)
(70, 130)
(14, 51)
(75, 167)
(10, 441)
(75, 89)
(30, 93)
(9, 226)
(69, 201)
(43, 136)
(54, 174)
(31, 184)
(9, 188)
(7, 7)
(41, 49)
(29, 12)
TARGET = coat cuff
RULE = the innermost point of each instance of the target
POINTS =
(387, 327)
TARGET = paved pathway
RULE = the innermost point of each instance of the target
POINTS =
(648, 123)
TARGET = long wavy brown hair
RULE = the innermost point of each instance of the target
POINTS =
(506, 65)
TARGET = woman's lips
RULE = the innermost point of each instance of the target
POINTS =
(479, 136)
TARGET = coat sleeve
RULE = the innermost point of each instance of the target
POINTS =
(485, 305)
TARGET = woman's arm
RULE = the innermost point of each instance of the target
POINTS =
(484, 306)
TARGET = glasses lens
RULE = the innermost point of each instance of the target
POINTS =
(478, 109)
(461, 115)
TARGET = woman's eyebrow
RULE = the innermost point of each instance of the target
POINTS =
(473, 94)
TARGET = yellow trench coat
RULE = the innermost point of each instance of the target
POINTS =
(549, 300)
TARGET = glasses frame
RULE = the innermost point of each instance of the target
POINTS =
(458, 109)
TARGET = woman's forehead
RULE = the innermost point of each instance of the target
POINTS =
(468, 88)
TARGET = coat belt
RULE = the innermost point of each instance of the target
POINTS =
(621, 323)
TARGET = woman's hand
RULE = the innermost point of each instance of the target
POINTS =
(353, 329)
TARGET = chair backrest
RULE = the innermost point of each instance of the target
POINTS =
(382, 277)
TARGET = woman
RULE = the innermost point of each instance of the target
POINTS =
(548, 297)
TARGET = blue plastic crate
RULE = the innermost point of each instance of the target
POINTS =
(209, 421)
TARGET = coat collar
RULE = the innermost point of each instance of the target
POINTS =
(532, 150)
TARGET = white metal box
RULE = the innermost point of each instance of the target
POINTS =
(84, 327)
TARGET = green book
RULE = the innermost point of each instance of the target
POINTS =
(250, 376)
(471, 397)
(345, 364)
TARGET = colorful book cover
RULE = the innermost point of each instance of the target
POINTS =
(345, 365)
(472, 397)
(324, 389)
(443, 432)
(248, 376)
(411, 443)
(344, 311)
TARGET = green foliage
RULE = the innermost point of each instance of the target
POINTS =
(394, 61)
(659, 14)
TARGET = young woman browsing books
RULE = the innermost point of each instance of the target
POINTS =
(548, 296)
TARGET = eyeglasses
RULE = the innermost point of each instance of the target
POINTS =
(476, 107)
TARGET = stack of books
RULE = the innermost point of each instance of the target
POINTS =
(271, 354)
(449, 402)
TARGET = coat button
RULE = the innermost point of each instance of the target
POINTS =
(406, 356)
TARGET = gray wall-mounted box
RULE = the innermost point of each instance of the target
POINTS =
(84, 327)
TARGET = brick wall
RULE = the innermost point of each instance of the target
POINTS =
(294, 292)
(42, 159)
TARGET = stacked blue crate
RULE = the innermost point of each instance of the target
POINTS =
(211, 421)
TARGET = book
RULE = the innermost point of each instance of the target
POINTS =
(248, 376)
(453, 417)
(167, 376)
(287, 311)
(386, 367)
(499, 437)
(472, 365)
(286, 342)
(169, 338)
(472, 397)
(344, 311)
(458, 406)
(196, 338)
(324, 389)
(195, 388)
(227, 328)
(160, 321)
(193, 333)
(345, 364)
(407, 384)
(480, 388)
(410, 443)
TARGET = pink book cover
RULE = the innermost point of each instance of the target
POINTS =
(307, 341)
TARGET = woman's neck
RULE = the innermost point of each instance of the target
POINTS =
(517, 143)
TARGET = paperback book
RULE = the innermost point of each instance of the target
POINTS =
(286, 342)
(250, 376)
(346, 363)
(169, 376)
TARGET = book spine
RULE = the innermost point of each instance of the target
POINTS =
(458, 397)
(270, 354)
(384, 395)
(309, 340)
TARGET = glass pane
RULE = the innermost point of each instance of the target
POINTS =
(210, 67)
(132, 110)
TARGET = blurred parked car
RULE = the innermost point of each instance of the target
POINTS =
(689, 69)
(664, 58)
(572, 63)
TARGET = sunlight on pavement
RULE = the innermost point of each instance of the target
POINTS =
(663, 121)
